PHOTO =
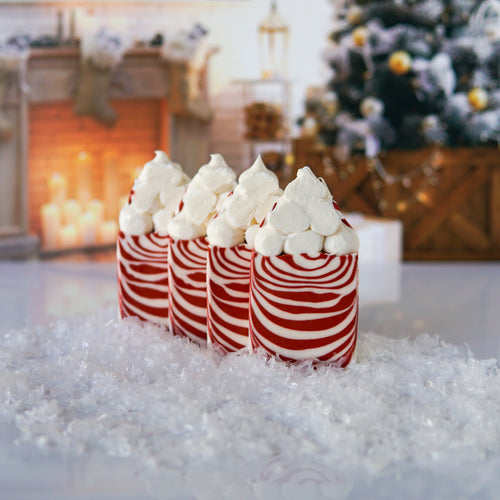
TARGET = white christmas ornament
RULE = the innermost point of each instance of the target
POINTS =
(371, 107)
(486, 20)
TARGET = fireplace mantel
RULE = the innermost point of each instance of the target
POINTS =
(52, 76)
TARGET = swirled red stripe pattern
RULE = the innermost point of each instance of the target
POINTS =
(228, 287)
(304, 307)
(142, 276)
(187, 277)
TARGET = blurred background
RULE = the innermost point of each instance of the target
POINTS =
(395, 103)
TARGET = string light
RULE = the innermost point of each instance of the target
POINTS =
(401, 206)
(417, 181)
(423, 197)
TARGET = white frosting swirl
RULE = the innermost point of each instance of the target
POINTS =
(155, 196)
(203, 197)
(254, 196)
(134, 223)
(305, 221)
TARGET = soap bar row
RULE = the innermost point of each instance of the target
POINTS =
(293, 306)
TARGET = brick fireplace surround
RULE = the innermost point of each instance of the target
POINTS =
(151, 97)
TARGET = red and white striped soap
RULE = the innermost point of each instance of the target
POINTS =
(228, 286)
(187, 278)
(304, 307)
(143, 277)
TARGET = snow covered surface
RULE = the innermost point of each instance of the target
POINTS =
(95, 407)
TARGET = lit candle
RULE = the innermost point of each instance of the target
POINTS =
(88, 228)
(57, 189)
(51, 223)
(72, 211)
(111, 185)
(96, 207)
(68, 236)
(84, 180)
(108, 232)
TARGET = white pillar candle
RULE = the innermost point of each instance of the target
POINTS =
(96, 207)
(72, 211)
(57, 189)
(84, 178)
(88, 228)
(51, 223)
(108, 232)
(111, 189)
(68, 236)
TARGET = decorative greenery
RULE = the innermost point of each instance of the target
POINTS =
(407, 74)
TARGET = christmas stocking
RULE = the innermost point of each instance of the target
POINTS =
(92, 97)
(8, 68)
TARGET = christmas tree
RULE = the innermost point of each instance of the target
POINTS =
(407, 74)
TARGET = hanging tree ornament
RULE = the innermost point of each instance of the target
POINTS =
(371, 107)
(478, 98)
(485, 20)
(354, 14)
(330, 102)
(400, 62)
(360, 36)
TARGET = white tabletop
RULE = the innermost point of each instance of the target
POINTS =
(458, 301)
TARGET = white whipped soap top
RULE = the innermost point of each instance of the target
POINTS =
(203, 199)
(155, 197)
(305, 221)
(242, 212)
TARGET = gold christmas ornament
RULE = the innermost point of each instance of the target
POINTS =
(354, 14)
(478, 98)
(360, 36)
(400, 62)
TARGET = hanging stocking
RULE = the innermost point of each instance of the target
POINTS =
(101, 53)
(92, 96)
(185, 46)
(11, 70)
(6, 127)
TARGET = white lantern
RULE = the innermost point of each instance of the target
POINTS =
(273, 44)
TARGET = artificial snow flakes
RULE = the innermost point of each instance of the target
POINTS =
(134, 390)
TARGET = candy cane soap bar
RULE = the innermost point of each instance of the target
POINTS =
(142, 277)
(228, 286)
(231, 240)
(188, 250)
(142, 246)
(304, 307)
(304, 278)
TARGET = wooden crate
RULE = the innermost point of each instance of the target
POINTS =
(450, 207)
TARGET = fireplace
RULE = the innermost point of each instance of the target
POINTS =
(79, 171)
(73, 172)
